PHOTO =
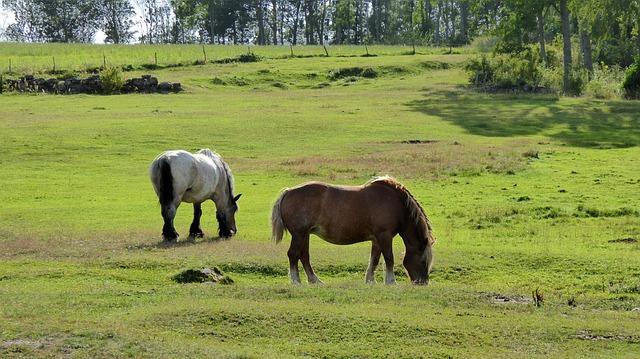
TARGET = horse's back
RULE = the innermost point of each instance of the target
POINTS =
(340, 214)
(194, 175)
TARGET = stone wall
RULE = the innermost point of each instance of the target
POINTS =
(88, 85)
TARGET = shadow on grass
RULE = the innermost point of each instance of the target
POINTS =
(162, 244)
(576, 122)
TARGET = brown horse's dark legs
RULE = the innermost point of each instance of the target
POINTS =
(294, 256)
(306, 264)
(387, 253)
(194, 230)
(373, 263)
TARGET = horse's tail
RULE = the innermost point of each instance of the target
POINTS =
(277, 224)
(163, 180)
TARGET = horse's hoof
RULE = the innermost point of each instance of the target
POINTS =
(170, 238)
(192, 236)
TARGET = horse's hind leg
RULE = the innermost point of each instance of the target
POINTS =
(194, 230)
(294, 257)
(306, 264)
(373, 263)
(168, 214)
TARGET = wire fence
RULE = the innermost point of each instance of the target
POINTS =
(20, 59)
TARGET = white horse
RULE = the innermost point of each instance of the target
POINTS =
(179, 176)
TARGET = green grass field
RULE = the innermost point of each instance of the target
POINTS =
(525, 192)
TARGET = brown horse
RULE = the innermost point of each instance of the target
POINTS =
(375, 211)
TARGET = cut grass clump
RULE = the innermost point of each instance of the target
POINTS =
(321, 85)
(218, 81)
(244, 58)
(434, 65)
(214, 275)
(531, 154)
(352, 72)
(490, 218)
(582, 211)
(547, 212)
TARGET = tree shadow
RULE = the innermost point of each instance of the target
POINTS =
(576, 122)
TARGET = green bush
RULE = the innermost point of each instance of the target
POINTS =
(480, 71)
(631, 82)
(506, 72)
(111, 80)
(551, 78)
(578, 79)
(605, 82)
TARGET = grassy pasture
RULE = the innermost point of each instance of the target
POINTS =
(37, 58)
(525, 193)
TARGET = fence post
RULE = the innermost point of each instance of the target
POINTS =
(366, 49)
(325, 49)
(10, 69)
(155, 57)
(104, 61)
(54, 64)
(204, 53)
(291, 48)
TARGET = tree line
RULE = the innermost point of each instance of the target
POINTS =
(260, 22)
(607, 30)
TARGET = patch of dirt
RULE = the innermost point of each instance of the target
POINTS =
(588, 335)
(629, 240)
(497, 298)
(34, 344)
(417, 142)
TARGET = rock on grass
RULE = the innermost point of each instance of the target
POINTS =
(204, 275)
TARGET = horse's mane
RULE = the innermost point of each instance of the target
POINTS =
(416, 211)
(214, 155)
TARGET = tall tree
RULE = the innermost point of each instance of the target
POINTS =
(55, 21)
(566, 45)
(117, 18)
(28, 25)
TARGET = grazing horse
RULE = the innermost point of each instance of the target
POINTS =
(375, 211)
(179, 176)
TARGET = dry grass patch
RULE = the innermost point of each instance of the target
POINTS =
(413, 159)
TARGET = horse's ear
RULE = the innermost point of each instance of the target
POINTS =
(236, 198)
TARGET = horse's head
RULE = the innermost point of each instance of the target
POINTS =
(418, 263)
(227, 218)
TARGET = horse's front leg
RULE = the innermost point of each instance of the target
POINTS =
(194, 230)
(373, 263)
(387, 253)
(168, 212)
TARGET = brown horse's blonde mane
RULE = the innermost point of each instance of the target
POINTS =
(416, 211)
